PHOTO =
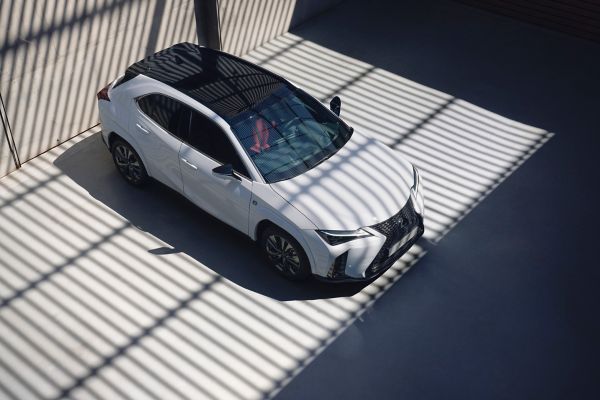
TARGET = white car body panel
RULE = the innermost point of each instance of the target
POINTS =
(364, 183)
(157, 145)
(360, 253)
(273, 208)
(227, 199)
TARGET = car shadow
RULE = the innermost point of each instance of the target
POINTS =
(185, 228)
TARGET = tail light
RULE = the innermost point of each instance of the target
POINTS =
(103, 93)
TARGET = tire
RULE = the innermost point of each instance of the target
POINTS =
(129, 163)
(284, 253)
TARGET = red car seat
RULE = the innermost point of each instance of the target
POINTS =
(260, 133)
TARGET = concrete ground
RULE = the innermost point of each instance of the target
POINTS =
(507, 304)
(112, 292)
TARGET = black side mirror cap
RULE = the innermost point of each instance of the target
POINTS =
(225, 171)
(335, 105)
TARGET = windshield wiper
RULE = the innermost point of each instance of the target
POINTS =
(324, 158)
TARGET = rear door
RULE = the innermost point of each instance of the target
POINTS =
(208, 147)
(158, 125)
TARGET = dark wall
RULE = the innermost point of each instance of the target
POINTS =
(575, 17)
(306, 9)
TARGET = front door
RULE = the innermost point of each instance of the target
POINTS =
(228, 199)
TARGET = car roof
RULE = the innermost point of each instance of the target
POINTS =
(224, 83)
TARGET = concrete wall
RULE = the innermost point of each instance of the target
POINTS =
(7, 161)
(246, 24)
(56, 54)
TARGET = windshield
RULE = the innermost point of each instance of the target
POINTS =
(289, 133)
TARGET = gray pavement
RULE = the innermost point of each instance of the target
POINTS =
(507, 304)
(113, 292)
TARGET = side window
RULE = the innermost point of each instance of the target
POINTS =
(207, 137)
(166, 112)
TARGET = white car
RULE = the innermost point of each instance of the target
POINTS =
(263, 156)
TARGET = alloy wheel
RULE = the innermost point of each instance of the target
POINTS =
(283, 255)
(128, 163)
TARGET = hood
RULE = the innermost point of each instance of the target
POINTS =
(364, 183)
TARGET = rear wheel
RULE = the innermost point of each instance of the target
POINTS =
(129, 163)
(284, 253)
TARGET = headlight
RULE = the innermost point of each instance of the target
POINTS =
(337, 237)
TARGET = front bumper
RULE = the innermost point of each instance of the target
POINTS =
(366, 258)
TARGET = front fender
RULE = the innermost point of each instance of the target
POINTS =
(266, 204)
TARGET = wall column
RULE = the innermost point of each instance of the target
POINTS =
(207, 23)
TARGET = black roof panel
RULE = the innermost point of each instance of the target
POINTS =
(226, 84)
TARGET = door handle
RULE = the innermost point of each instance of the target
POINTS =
(141, 128)
(192, 166)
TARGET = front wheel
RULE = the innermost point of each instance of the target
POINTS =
(284, 253)
(129, 163)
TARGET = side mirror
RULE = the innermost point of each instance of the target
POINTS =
(335, 105)
(225, 171)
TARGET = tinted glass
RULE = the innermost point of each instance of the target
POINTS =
(207, 137)
(166, 112)
(289, 133)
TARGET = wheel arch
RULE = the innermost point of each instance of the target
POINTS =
(265, 223)
(261, 226)
(114, 136)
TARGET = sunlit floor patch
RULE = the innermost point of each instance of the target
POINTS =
(463, 151)
(89, 309)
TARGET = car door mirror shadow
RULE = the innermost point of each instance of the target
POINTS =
(184, 228)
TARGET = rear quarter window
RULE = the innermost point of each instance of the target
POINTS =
(166, 112)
